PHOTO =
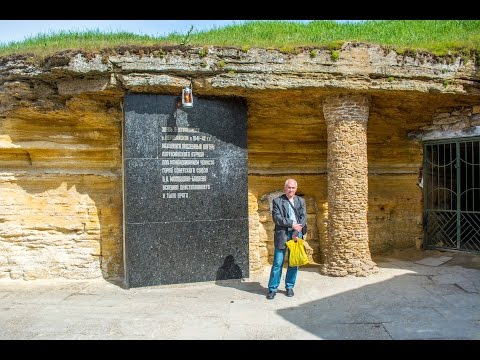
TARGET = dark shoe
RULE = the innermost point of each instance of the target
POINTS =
(290, 292)
(271, 295)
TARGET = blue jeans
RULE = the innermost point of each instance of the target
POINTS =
(276, 272)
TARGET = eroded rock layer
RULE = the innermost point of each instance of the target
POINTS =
(61, 142)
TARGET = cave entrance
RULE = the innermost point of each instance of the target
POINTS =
(451, 170)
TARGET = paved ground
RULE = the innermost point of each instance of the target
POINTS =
(416, 295)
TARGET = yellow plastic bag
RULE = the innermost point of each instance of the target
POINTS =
(298, 256)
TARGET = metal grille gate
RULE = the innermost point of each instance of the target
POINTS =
(451, 178)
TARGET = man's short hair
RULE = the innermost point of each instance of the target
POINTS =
(288, 180)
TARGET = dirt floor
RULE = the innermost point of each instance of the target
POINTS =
(459, 258)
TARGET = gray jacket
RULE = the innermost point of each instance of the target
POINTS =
(280, 208)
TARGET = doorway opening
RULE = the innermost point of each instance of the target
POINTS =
(451, 170)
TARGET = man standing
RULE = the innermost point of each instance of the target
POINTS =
(290, 216)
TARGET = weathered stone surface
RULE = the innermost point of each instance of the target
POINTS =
(475, 120)
(73, 87)
(83, 65)
(359, 66)
(60, 185)
(347, 250)
(394, 212)
(17, 67)
(454, 122)
(142, 82)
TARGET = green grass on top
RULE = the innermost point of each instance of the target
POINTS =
(440, 37)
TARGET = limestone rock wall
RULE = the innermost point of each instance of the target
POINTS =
(395, 207)
(60, 191)
(450, 122)
(61, 135)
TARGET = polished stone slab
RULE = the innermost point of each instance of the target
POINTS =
(185, 190)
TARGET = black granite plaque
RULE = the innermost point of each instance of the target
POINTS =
(186, 183)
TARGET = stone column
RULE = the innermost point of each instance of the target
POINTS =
(347, 250)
